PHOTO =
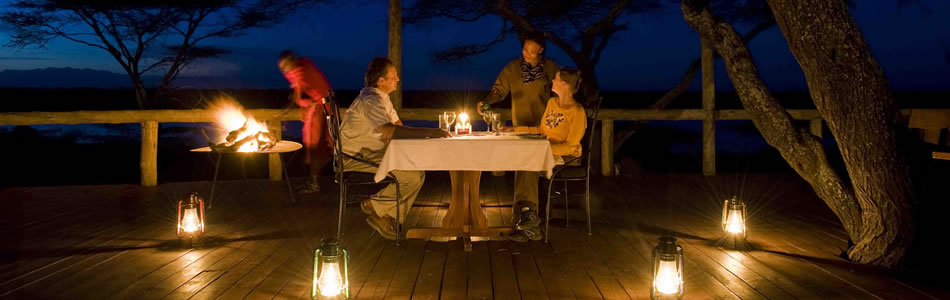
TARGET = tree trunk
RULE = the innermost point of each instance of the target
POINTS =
(395, 46)
(851, 92)
(874, 208)
(141, 95)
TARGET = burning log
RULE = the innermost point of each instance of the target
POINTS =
(256, 142)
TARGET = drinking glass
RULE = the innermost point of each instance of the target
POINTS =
(496, 122)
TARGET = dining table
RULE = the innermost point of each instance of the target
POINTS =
(465, 157)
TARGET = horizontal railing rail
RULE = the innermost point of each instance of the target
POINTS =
(151, 118)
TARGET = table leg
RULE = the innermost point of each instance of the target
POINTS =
(290, 190)
(465, 218)
(217, 165)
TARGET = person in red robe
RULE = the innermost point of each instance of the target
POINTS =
(310, 88)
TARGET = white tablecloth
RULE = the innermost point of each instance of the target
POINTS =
(468, 153)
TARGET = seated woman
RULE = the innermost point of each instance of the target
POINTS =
(563, 123)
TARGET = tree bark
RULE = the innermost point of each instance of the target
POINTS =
(395, 47)
(850, 90)
(141, 95)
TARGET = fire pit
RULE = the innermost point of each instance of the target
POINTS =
(244, 136)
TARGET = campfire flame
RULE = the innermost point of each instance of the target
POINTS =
(241, 132)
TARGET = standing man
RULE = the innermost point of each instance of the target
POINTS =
(368, 126)
(528, 80)
(307, 80)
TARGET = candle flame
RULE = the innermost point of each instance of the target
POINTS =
(463, 118)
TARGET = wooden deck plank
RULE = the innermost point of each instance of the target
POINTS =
(56, 263)
(131, 256)
(407, 271)
(454, 275)
(429, 280)
(112, 274)
(479, 271)
(554, 277)
(504, 280)
(884, 288)
(85, 224)
(530, 283)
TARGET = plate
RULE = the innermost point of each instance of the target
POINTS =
(514, 133)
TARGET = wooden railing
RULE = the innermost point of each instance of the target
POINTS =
(149, 119)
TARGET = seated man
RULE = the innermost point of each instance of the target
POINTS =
(368, 126)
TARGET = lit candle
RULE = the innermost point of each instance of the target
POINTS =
(463, 126)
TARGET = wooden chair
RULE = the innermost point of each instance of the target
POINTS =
(569, 171)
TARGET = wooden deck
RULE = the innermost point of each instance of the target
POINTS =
(118, 242)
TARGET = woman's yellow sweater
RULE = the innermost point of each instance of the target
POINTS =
(564, 128)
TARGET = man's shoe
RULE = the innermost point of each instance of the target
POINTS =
(308, 188)
(522, 236)
(367, 207)
(529, 220)
(385, 226)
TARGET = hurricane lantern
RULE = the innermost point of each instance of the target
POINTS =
(667, 270)
(330, 276)
(734, 218)
(191, 216)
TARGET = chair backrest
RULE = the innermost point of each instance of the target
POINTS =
(335, 123)
(591, 129)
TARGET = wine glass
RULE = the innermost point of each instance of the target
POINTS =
(449, 118)
(487, 117)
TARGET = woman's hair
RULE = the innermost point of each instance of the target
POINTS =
(377, 69)
(572, 77)
(534, 36)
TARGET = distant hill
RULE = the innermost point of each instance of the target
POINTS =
(58, 78)
(66, 78)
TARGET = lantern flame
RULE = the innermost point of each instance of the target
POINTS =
(189, 222)
(667, 279)
(734, 222)
(330, 281)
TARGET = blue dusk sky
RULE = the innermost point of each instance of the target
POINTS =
(910, 42)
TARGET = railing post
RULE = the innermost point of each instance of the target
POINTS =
(606, 147)
(273, 159)
(815, 127)
(148, 162)
(709, 104)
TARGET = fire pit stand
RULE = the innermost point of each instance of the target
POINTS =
(280, 148)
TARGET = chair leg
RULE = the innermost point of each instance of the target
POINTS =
(339, 220)
(547, 212)
(567, 211)
(398, 199)
(587, 200)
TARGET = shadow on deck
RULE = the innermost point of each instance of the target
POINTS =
(118, 241)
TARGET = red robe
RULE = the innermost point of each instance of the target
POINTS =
(305, 77)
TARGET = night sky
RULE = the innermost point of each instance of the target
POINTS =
(910, 42)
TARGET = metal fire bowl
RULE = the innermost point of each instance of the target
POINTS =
(281, 147)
